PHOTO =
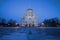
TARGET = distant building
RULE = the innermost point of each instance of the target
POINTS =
(29, 19)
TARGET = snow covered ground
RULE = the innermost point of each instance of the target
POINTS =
(29, 33)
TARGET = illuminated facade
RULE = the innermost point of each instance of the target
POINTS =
(29, 19)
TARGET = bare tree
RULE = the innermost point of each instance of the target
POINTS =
(51, 22)
(12, 23)
(2, 22)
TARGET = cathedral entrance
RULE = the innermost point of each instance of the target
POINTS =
(29, 25)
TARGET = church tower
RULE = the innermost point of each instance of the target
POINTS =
(29, 19)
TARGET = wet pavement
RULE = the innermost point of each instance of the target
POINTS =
(32, 33)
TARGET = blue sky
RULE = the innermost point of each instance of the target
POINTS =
(43, 9)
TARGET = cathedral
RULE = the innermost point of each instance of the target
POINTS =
(29, 19)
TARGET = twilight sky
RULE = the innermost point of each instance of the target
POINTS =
(43, 9)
